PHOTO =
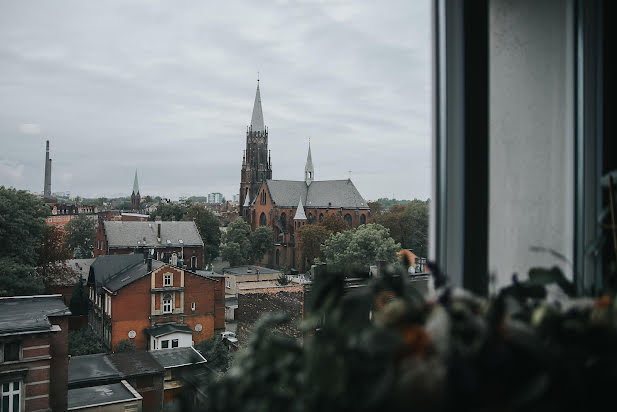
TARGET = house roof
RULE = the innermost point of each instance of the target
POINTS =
(117, 271)
(121, 234)
(91, 368)
(81, 266)
(176, 357)
(167, 328)
(136, 363)
(103, 394)
(319, 194)
(244, 270)
(30, 314)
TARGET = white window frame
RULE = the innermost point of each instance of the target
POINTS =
(163, 342)
(164, 303)
(193, 306)
(166, 277)
(12, 392)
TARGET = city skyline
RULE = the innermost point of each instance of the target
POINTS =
(169, 92)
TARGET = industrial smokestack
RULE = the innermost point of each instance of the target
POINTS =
(47, 184)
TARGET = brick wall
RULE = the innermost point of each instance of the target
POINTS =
(252, 305)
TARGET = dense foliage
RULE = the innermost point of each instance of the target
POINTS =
(359, 248)
(22, 227)
(79, 299)
(80, 233)
(216, 353)
(168, 211)
(334, 223)
(531, 348)
(85, 342)
(311, 237)
(261, 242)
(125, 345)
(208, 227)
(408, 225)
(237, 243)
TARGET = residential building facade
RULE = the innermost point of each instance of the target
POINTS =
(33, 353)
(132, 298)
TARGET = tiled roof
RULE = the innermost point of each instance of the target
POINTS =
(130, 274)
(30, 313)
(166, 329)
(319, 194)
(117, 271)
(173, 358)
(145, 234)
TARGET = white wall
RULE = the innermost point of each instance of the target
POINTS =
(185, 340)
(531, 135)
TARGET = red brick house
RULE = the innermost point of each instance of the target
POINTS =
(33, 353)
(169, 240)
(133, 298)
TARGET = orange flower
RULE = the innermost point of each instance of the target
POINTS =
(417, 341)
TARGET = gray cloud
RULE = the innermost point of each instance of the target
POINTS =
(168, 88)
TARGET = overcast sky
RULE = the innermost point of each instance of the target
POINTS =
(168, 88)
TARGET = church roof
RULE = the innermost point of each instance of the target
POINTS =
(324, 193)
(257, 120)
(309, 160)
(300, 215)
(135, 184)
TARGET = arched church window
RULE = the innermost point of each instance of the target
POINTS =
(363, 219)
(310, 218)
(283, 221)
(348, 219)
(320, 217)
(262, 219)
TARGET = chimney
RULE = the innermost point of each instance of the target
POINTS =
(149, 261)
(158, 230)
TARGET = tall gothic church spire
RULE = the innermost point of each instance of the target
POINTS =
(256, 166)
(135, 196)
(309, 173)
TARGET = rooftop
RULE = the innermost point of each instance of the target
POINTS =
(258, 284)
(101, 395)
(30, 314)
(91, 368)
(249, 270)
(135, 363)
(117, 271)
(167, 328)
(319, 194)
(176, 357)
(146, 234)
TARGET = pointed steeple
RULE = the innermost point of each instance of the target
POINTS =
(257, 120)
(135, 184)
(309, 173)
(300, 215)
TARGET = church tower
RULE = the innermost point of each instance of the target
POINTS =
(135, 196)
(309, 172)
(256, 166)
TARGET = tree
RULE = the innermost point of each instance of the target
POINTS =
(52, 266)
(237, 244)
(261, 242)
(85, 342)
(79, 300)
(208, 227)
(169, 211)
(376, 208)
(311, 238)
(216, 353)
(360, 248)
(80, 234)
(22, 227)
(408, 225)
(334, 223)
(125, 345)
(283, 280)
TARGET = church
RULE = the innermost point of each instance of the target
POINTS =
(287, 205)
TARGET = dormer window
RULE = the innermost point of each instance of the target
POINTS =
(167, 279)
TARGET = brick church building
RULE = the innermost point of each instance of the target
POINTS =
(287, 205)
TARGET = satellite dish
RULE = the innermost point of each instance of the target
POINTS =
(198, 327)
(132, 334)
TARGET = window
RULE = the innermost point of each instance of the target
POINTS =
(262, 219)
(193, 306)
(174, 343)
(164, 344)
(348, 219)
(11, 352)
(194, 262)
(283, 221)
(227, 283)
(167, 279)
(167, 303)
(363, 219)
(11, 395)
(320, 217)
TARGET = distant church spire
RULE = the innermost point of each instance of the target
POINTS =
(135, 196)
(309, 172)
(47, 184)
(257, 120)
